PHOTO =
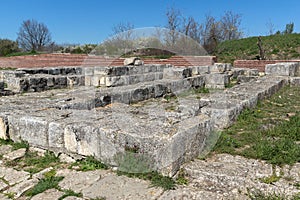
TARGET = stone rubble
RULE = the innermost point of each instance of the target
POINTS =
(221, 176)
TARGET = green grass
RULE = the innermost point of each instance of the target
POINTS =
(281, 46)
(33, 163)
(22, 54)
(157, 180)
(89, 163)
(15, 145)
(68, 193)
(270, 132)
(49, 181)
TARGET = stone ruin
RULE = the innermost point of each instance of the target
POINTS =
(152, 110)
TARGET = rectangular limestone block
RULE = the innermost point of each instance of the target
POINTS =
(88, 71)
(216, 80)
(88, 81)
(95, 81)
(30, 129)
(82, 139)
(282, 69)
(56, 135)
(100, 71)
(3, 127)
(220, 67)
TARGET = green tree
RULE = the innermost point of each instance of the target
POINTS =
(289, 28)
(8, 46)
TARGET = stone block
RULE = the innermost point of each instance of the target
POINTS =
(177, 73)
(117, 81)
(220, 67)
(245, 79)
(82, 139)
(88, 71)
(199, 70)
(28, 128)
(197, 81)
(149, 77)
(88, 81)
(95, 81)
(295, 81)
(216, 80)
(56, 135)
(100, 71)
(282, 69)
(3, 127)
(135, 70)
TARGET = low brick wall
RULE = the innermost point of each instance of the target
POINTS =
(57, 60)
(258, 64)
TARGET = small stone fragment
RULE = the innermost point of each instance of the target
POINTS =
(15, 154)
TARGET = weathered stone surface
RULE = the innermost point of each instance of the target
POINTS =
(3, 127)
(13, 176)
(177, 73)
(234, 177)
(133, 61)
(216, 80)
(200, 70)
(82, 181)
(50, 194)
(295, 81)
(122, 187)
(21, 187)
(15, 154)
(220, 67)
(282, 69)
(5, 149)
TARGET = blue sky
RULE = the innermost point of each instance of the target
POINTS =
(91, 21)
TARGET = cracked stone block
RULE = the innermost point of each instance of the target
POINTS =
(282, 69)
(21, 187)
(82, 139)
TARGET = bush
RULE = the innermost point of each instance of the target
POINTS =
(8, 47)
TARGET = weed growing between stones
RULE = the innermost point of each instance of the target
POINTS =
(157, 180)
(270, 132)
(70, 193)
(181, 178)
(49, 181)
(88, 164)
(15, 145)
(259, 195)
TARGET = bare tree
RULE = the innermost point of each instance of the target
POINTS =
(230, 26)
(33, 35)
(211, 33)
(122, 27)
(271, 27)
(173, 25)
(192, 29)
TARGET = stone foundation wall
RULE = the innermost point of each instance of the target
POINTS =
(165, 120)
(258, 64)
